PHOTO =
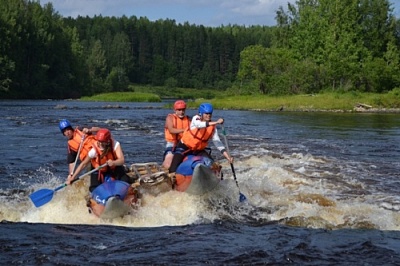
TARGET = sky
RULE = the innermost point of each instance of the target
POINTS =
(212, 13)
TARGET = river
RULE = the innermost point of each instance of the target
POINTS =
(322, 189)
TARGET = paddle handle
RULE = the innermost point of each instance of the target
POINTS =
(88, 173)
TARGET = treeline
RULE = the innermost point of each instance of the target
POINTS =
(43, 55)
(341, 45)
(316, 45)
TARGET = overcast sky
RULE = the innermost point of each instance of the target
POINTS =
(211, 13)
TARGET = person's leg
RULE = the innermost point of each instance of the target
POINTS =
(120, 174)
(126, 179)
(168, 155)
(176, 161)
(179, 154)
(94, 181)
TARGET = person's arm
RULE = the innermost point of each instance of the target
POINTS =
(120, 156)
(220, 146)
(196, 122)
(169, 123)
(213, 123)
(81, 166)
(90, 130)
(228, 157)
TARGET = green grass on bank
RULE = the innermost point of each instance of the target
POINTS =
(124, 97)
(325, 101)
(181, 93)
(328, 101)
(155, 94)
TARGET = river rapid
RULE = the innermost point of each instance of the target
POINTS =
(321, 189)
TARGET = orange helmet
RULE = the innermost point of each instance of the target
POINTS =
(103, 135)
(179, 104)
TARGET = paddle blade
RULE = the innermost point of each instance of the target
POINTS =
(41, 197)
(242, 197)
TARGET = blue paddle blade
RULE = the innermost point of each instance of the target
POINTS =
(41, 197)
(242, 197)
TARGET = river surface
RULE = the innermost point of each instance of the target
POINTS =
(321, 188)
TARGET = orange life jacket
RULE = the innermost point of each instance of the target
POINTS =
(75, 142)
(197, 139)
(97, 161)
(179, 123)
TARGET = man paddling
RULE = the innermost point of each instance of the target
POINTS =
(175, 124)
(79, 141)
(195, 139)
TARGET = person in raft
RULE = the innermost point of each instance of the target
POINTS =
(78, 141)
(195, 139)
(105, 150)
(175, 124)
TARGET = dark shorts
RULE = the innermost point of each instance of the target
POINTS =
(119, 173)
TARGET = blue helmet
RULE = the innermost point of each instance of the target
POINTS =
(64, 124)
(205, 108)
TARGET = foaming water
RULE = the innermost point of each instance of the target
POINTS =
(68, 206)
(296, 190)
(302, 190)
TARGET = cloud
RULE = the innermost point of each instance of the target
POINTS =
(200, 12)
(204, 12)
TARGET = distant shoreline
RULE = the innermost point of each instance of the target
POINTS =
(355, 110)
(328, 102)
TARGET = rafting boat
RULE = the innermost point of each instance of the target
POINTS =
(112, 199)
(117, 198)
(197, 175)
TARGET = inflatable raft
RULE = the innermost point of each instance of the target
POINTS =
(112, 199)
(197, 175)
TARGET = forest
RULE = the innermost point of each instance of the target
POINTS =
(315, 46)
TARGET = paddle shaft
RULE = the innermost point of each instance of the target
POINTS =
(227, 150)
(87, 173)
(77, 154)
(242, 197)
(234, 174)
(43, 196)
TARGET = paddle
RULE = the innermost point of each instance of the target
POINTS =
(241, 196)
(43, 196)
(77, 154)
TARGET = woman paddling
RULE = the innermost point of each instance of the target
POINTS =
(105, 150)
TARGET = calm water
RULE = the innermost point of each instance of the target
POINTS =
(322, 189)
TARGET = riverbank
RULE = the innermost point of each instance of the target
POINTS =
(358, 108)
(323, 102)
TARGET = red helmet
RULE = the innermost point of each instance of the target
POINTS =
(103, 135)
(179, 104)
